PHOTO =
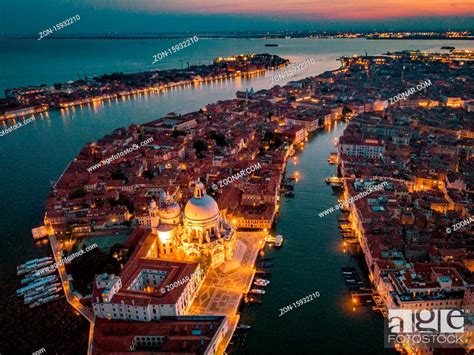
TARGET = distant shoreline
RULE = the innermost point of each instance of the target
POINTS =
(266, 36)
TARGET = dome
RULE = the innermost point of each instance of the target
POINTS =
(201, 207)
(170, 211)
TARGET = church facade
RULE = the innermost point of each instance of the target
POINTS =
(198, 233)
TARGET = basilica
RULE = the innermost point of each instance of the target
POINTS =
(198, 234)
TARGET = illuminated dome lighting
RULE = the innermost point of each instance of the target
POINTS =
(201, 207)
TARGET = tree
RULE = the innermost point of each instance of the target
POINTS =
(273, 140)
(199, 145)
(147, 174)
(118, 175)
(219, 138)
(176, 133)
(84, 268)
(77, 193)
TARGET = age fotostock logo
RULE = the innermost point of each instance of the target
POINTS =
(434, 327)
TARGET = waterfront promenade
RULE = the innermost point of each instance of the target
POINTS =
(119, 85)
(224, 287)
(73, 301)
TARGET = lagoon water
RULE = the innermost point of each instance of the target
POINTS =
(36, 154)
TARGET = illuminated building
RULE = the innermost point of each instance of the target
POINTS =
(198, 233)
(164, 256)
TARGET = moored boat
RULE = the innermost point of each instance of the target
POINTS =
(278, 240)
(47, 292)
(36, 284)
(33, 264)
(33, 276)
(46, 300)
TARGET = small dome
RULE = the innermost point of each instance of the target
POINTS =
(201, 207)
(170, 211)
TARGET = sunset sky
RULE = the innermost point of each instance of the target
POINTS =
(26, 16)
(303, 9)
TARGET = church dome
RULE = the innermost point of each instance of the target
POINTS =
(170, 211)
(201, 207)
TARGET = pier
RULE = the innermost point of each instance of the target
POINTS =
(73, 300)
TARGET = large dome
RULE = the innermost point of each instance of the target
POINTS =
(201, 207)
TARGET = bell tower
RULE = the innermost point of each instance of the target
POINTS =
(154, 217)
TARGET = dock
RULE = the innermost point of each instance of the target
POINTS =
(73, 301)
(278, 240)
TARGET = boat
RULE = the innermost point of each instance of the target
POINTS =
(334, 180)
(261, 280)
(265, 264)
(448, 47)
(264, 284)
(289, 194)
(349, 236)
(40, 289)
(33, 276)
(333, 158)
(36, 284)
(47, 292)
(257, 291)
(271, 45)
(33, 264)
(243, 326)
(351, 275)
(46, 300)
(278, 240)
(254, 300)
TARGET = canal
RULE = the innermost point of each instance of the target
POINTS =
(311, 260)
